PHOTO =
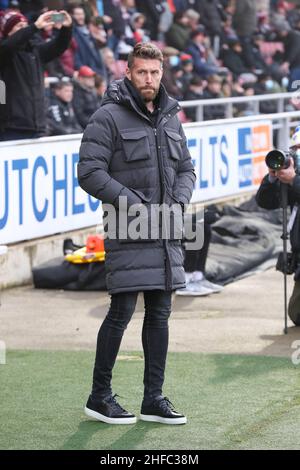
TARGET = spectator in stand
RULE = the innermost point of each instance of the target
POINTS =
(211, 16)
(137, 22)
(228, 33)
(193, 19)
(187, 67)
(293, 17)
(245, 23)
(194, 92)
(67, 59)
(171, 60)
(114, 70)
(85, 99)
(61, 118)
(226, 90)
(243, 109)
(152, 10)
(278, 15)
(249, 107)
(97, 30)
(260, 65)
(53, 68)
(22, 55)
(265, 84)
(263, 24)
(127, 40)
(213, 91)
(291, 56)
(233, 58)
(179, 33)
(87, 52)
(100, 86)
(199, 51)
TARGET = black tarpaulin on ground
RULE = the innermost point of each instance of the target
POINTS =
(61, 274)
(243, 239)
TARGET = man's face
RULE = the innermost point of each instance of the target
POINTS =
(109, 57)
(215, 87)
(79, 16)
(199, 39)
(65, 93)
(88, 82)
(145, 75)
(17, 27)
(188, 67)
(237, 48)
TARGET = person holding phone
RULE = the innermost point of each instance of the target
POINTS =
(22, 56)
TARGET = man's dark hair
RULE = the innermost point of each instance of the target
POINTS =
(196, 80)
(145, 50)
(62, 84)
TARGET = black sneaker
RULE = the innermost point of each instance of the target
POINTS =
(162, 411)
(109, 411)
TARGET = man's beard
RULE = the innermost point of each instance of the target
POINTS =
(147, 98)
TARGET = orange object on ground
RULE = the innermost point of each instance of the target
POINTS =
(94, 243)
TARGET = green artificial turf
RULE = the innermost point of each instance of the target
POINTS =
(232, 402)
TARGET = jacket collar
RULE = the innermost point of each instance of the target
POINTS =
(123, 93)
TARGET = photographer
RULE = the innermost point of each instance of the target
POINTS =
(269, 197)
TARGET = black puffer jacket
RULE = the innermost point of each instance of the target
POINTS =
(22, 56)
(61, 119)
(123, 154)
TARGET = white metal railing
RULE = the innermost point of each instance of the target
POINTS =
(281, 122)
(228, 103)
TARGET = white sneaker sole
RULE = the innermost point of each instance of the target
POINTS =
(105, 419)
(193, 294)
(159, 419)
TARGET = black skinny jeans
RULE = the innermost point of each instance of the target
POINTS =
(155, 339)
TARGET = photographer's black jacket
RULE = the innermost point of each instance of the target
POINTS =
(268, 197)
(22, 56)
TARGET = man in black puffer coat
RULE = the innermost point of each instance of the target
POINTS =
(22, 55)
(134, 146)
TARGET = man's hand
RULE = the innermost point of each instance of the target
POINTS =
(44, 20)
(287, 175)
(67, 20)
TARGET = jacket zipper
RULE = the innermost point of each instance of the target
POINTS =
(168, 283)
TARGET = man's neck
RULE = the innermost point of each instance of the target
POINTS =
(150, 106)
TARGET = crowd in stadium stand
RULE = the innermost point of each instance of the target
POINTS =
(57, 72)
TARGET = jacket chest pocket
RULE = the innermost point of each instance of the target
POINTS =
(136, 145)
(174, 144)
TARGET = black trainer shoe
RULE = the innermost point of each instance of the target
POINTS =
(162, 411)
(109, 411)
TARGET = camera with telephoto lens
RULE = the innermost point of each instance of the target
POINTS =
(278, 160)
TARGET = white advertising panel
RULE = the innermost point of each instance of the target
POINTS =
(40, 195)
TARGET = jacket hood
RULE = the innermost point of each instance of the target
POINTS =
(118, 93)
